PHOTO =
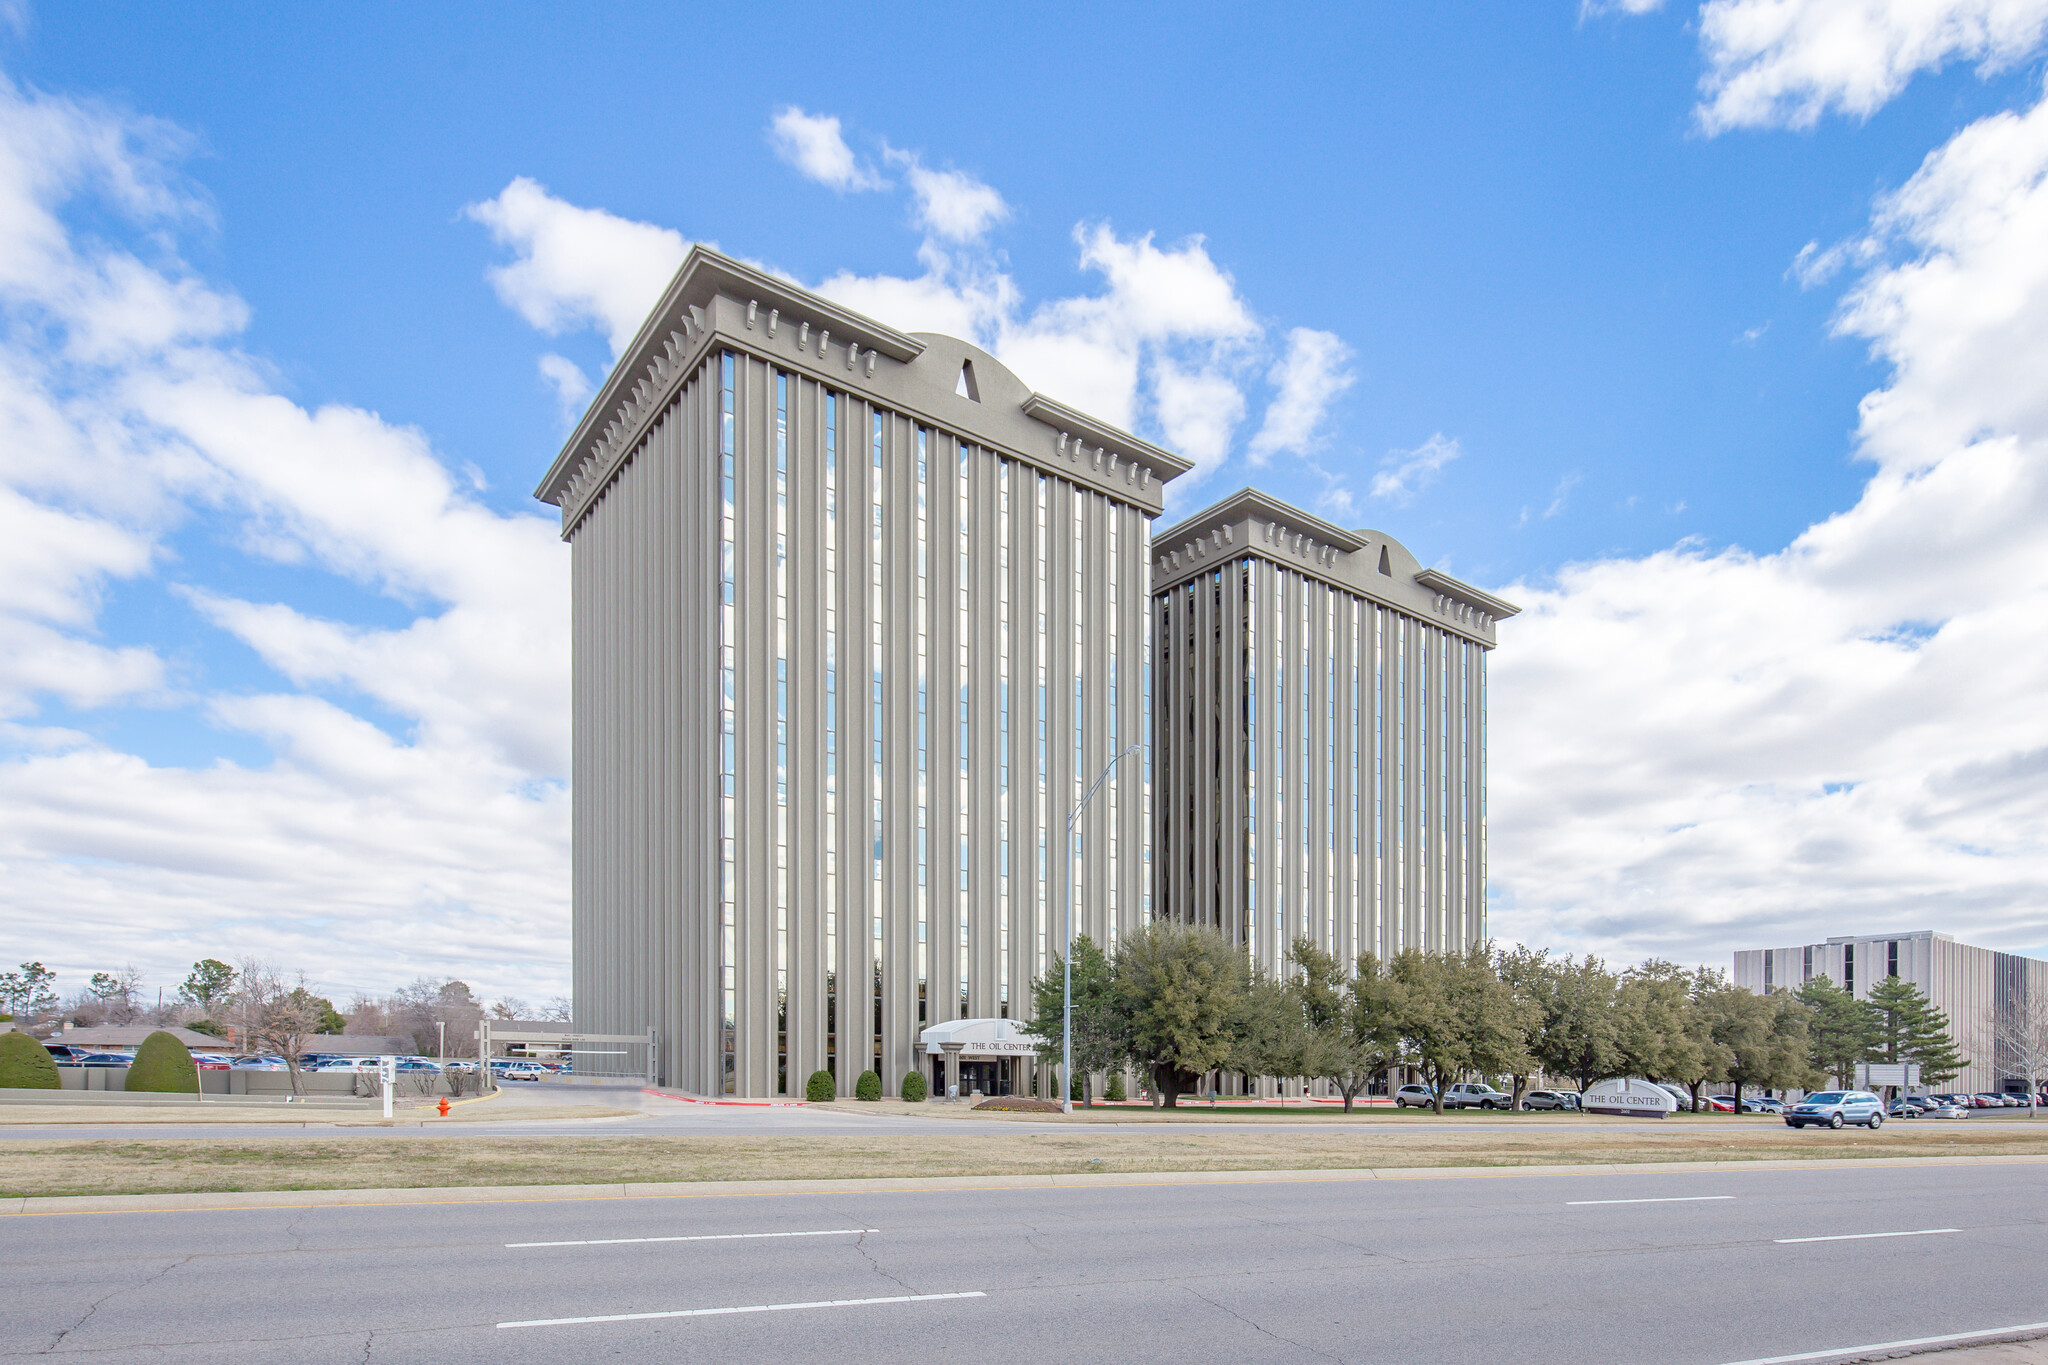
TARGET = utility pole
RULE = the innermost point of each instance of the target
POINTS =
(1067, 957)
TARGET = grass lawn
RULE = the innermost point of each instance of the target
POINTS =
(150, 1165)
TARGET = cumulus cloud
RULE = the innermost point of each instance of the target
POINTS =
(1404, 473)
(413, 791)
(951, 205)
(572, 387)
(1784, 63)
(576, 266)
(1713, 748)
(814, 145)
(1308, 378)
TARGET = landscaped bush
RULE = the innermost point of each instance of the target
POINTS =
(163, 1064)
(913, 1086)
(868, 1087)
(820, 1088)
(25, 1064)
(1115, 1090)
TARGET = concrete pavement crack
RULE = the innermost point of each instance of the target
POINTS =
(94, 1306)
(1262, 1329)
(860, 1244)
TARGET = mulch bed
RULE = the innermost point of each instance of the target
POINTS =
(1020, 1104)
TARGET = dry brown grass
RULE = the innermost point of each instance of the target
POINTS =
(132, 1166)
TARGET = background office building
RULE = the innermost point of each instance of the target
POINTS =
(1320, 743)
(857, 617)
(1978, 988)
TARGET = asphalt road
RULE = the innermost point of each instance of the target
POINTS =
(1514, 1268)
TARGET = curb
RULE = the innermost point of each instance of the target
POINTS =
(48, 1205)
(737, 1104)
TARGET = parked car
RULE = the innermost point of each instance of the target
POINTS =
(1551, 1099)
(261, 1063)
(1945, 1107)
(1476, 1095)
(1907, 1107)
(1679, 1093)
(211, 1061)
(1722, 1104)
(1421, 1096)
(523, 1071)
(1836, 1108)
(1764, 1104)
(107, 1059)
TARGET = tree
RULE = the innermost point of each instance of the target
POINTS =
(280, 1017)
(2020, 1043)
(211, 980)
(29, 993)
(1185, 994)
(111, 995)
(1349, 1030)
(1655, 1033)
(1762, 1038)
(1098, 1016)
(1538, 982)
(1910, 1029)
(1841, 1032)
(1458, 1016)
(1577, 1038)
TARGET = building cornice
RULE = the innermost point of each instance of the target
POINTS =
(1364, 564)
(717, 302)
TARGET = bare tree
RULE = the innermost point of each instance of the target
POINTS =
(561, 1009)
(2020, 1043)
(280, 1015)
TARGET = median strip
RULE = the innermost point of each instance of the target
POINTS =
(702, 1237)
(751, 1308)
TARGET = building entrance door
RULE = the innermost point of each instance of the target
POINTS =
(990, 1077)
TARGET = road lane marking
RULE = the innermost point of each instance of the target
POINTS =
(1671, 1199)
(751, 1308)
(1895, 1345)
(1865, 1236)
(705, 1237)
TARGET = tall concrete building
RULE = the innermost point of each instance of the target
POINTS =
(1978, 988)
(857, 617)
(1320, 735)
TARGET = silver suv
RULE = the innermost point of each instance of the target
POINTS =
(1835, 1108)
(1467, 1094)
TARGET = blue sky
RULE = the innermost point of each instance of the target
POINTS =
(1555, 250)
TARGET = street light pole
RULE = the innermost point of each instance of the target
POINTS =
(1067, 958)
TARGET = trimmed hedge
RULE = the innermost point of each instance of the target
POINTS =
(821, 1088)
(913, 1086)
(26, 1064)
(868, 1087)
(164, 1065)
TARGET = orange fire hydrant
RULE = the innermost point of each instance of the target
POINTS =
(444, 1106)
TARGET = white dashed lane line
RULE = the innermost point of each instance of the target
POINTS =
(1670, 1199)
(1864, 1236)
(751, 1308)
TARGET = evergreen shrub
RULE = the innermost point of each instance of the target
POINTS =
(163, 1065)
(26, 1064)
(913, 1086)
(1115, 1091)
(868, 1087)
(820, 1088)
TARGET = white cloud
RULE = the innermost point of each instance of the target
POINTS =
(1404, 473)
(1198, 411)
(813, 144)
(577, 266)
(412, 817)
(572, 387)
(1309, 377)
(1705, 749)
(1589, 8)
(951, 205)
(1784, 63)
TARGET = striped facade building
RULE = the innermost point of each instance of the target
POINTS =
(1983, 992)
(1320, 735)
(857, 619)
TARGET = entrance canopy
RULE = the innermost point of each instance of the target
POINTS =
(983, 1038)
